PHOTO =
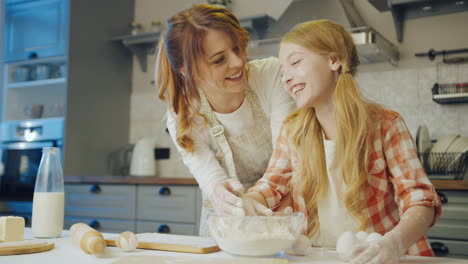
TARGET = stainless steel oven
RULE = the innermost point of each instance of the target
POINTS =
(21, 152)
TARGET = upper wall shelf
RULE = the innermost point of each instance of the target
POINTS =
(403, 10)
(145, 43)
(141, 45)
(37, 83)
(257, 26)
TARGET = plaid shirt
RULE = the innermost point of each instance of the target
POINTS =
(396, 181)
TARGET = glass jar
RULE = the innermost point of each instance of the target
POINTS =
(136, 28)
(49, 196)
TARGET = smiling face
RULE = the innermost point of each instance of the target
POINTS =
(225, 69)
(309, 77)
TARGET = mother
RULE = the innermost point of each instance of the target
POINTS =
(224, 112)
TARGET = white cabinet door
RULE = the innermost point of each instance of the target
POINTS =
(167, 203)
(35, 29)
(100, 200)
(166, 228)
(102, 224)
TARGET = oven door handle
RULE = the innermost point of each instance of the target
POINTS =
(28, 145)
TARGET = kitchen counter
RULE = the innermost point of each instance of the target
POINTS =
(129, 180)
(450, 185)
(439, 184)
(66, 251)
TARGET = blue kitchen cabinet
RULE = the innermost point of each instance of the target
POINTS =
(35, 29)
(68, 43)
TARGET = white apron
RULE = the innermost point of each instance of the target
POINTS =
(243, 157)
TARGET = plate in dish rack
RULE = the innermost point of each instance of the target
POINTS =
(423, 139)
(423, 143)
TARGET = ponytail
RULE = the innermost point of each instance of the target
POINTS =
(305, 133)
(171, 91)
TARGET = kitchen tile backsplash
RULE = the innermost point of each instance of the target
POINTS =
(407, 91)
(147, 119)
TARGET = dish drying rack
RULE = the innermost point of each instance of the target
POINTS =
(445, 165)
(448, 93)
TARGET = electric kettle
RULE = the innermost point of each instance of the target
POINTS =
(143, 162)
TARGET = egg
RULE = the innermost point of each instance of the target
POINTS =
(345, 243)
(127, 241)
(361, 236)
(301, 245)
(373, 237)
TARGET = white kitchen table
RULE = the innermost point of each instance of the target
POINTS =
(66, 252)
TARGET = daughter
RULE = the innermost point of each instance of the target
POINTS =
(348, 163)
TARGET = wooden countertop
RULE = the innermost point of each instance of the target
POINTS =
(129, 180)
(450, 185)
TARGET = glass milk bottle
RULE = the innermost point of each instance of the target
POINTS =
(48, 200)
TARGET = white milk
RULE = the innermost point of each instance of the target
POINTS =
(47, 214)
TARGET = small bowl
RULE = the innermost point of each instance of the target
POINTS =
(256, 235)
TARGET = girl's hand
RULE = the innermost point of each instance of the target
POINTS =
(252, 207)
(386, 250)
(286, 204)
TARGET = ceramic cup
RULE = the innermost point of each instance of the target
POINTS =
(55, 110)
(62, 70)
(42, 72)
(22, 74)
(34, 111)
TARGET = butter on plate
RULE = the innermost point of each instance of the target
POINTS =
(11, 228)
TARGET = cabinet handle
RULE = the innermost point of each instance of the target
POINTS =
(95, 188)
(32, 55)
(94, 224)
(27, 221)
(165, 191)
(439, 248)
(164, 229)
(443, 197)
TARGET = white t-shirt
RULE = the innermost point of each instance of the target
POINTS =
(237, 122)
(333, 215)
(264, 78)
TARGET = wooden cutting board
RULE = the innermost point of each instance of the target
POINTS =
(177, 243)
(186, 260)
(24, 247)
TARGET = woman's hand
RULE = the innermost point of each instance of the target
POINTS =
(252, 207)
(224, 199)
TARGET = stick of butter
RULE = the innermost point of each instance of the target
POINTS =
(11, 228)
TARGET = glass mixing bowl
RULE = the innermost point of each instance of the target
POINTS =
(256, 235)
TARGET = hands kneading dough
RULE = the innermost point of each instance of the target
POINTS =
(349, 241)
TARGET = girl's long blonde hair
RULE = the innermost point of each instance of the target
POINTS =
(354, 119)
(181, 50)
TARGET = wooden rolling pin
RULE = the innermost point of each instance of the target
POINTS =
(90, 240)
